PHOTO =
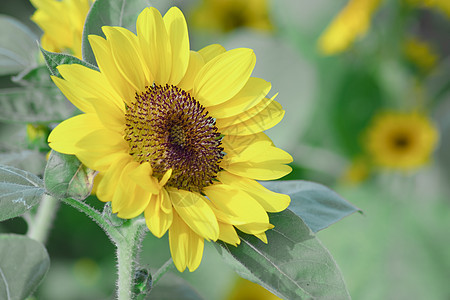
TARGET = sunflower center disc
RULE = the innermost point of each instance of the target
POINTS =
(168, 128)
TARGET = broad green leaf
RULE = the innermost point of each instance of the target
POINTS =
(121, 13)
(28, 160)
(19, 192)
(317, 205)
(34, 104)
(18, 48)
(23, 265)
(173, 287)
(293, 265)
(53, 60)
(66, 177)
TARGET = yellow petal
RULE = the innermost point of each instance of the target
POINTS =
(195, 64)
(260, 152)
(262, 171)
(67, 134)
(186, 247)
(179, 40)
(165, 178)
(195, 212)
(155, 44)
(264, 120)
(228, 234)
(251, 94)
(105, 61)
(100, 160)
(211, 51)
(195, 251)
(137, 201)
(224, 76)
(255, 228)
(270, 201)
(142, 176)
(72, 94)
(235, 144)
(158, 221)
(238, 206)
(125, 188)
(110, 181)
(127, 56)
(90, 83)
(262, 236)
(263, 105)
(111, 116)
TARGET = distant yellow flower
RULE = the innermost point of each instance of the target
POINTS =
(175, 134)
(226, 15)
(420, 53)
(402, 141)
(442, 5)
(247, 290)
(62, 23)
(357, 172)
(351, 23)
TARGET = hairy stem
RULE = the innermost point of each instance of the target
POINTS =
(161, 271)
(40, 227)
(128, 246)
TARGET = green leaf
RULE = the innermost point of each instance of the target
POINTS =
(53, 60)
(19, 192)
(293, 265)
(34, 104)
(317, 205)
(31, 161)
(121, 13)
(173, 287)
(66, 177)
(23, 265)
(16, 46)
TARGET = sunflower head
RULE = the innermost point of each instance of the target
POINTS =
(402, 141)
(175, 134)
(62, 23)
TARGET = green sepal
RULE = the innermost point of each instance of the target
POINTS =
(66, 177)
(53, 60)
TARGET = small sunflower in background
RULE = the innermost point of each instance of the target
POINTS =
(227, 15)
(420, 54)
(62, 23)
(402, 141)
(351, 23)
(440, 5)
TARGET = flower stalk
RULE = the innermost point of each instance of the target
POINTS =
(39, 228)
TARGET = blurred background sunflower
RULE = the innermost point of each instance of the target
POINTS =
(366, 89)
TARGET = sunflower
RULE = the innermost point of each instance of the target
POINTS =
(402, 141)
(421, 54)
(227, 15)
(351, 23)
(175, 134)
(62, 23)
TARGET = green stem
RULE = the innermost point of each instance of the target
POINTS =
(161, 271)
(128, 246)
(40, 227)
(127, 238)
